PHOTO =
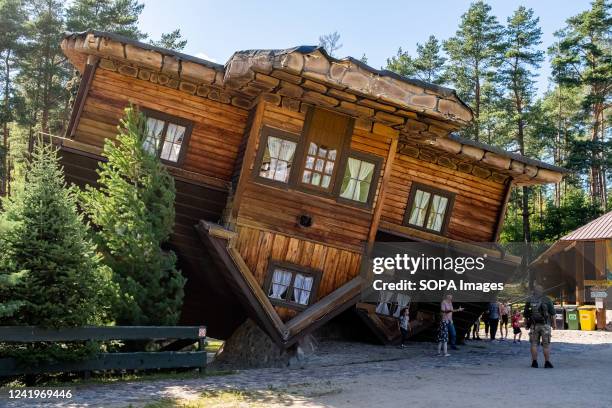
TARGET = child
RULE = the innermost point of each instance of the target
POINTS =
(516, 325)
(443, 338)
(404, 324)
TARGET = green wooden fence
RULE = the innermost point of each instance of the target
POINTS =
(107, 361)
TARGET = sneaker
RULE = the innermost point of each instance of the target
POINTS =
(534, 364)
(454, 348)
(548, 365)
(447, 355)
(514, 342)
(439, 354)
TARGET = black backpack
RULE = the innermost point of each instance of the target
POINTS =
(539, 310)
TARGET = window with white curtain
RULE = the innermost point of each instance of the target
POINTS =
(428, 208)
(277, 159)
(166, 136)
(291, 286)
(357, 180)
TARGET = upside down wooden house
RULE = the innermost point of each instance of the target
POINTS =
(289, 165)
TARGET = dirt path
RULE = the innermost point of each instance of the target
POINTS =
(481, 374)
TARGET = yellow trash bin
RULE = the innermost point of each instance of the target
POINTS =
(587, 317)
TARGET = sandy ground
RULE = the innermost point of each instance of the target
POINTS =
(480, 374)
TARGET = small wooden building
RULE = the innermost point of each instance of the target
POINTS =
(577, 269)
(289, 165)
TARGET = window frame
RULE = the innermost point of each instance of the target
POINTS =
(367, 157)
(294, 269)
(264, 134)
(302, 153)
(433, 191)
(168, 118)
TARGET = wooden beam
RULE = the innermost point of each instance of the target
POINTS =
(79, 103)
(499, 225)
(381, 194)
(346, 295)
(422, 236)
(234, 268)
(247, 160)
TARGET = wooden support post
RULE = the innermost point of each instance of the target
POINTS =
(79, 103)
(600, 274)
(247, 160)
(579, 260)
(202, 347)
(499, 225)
(381, 194)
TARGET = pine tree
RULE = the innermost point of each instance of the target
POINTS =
(133, 209)
(116, 16)
(474, 54)
(66, 283)
(12, 32)
(522, 37)
(42, 70)
(428, 65)
(8, 283)
(582, 58)
(172, 41)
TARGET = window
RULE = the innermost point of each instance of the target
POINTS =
(276, 155)
(359, 180)
(291, 286)
(166, 136)
(428, 208)
(326, 133)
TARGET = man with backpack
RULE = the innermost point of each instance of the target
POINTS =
(539, 314)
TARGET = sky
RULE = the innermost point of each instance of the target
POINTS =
(215, 29)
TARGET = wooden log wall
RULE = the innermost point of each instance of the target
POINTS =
(258, 248)
(335, 224)
(477, 201)
(218, 128)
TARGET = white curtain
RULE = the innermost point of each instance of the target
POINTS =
(173, 142)
(402, 301)
(273, 150)
(301, 288)
(417, 215)
(436, 217)
(280, 282)
(384, 299)
(154, 130)
(285, 158)
(353, 170)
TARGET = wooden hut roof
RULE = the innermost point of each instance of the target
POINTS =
(425, 115)
(598, 229)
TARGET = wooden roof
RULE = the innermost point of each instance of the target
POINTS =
(423, 114)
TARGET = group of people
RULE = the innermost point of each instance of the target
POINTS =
(495, 314)
(539, 316)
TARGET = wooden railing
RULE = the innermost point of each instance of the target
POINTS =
(107, 361)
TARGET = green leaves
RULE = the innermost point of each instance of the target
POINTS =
(48, 265)
(133, 210)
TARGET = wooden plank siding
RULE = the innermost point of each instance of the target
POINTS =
(277, 209)
(218, 128)
(477, 205)
(258, 248)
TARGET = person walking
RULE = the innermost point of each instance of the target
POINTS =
(404, 326)
(476, 329)
(516, 325)
(446, 308)
(540, 314)
(504, 311)
(443, 337)
(493, 319)
(485, 320)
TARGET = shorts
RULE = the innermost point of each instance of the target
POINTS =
(517, 330)
(540, 333)
(505, 319)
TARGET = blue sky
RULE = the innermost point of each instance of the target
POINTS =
(215, 29)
